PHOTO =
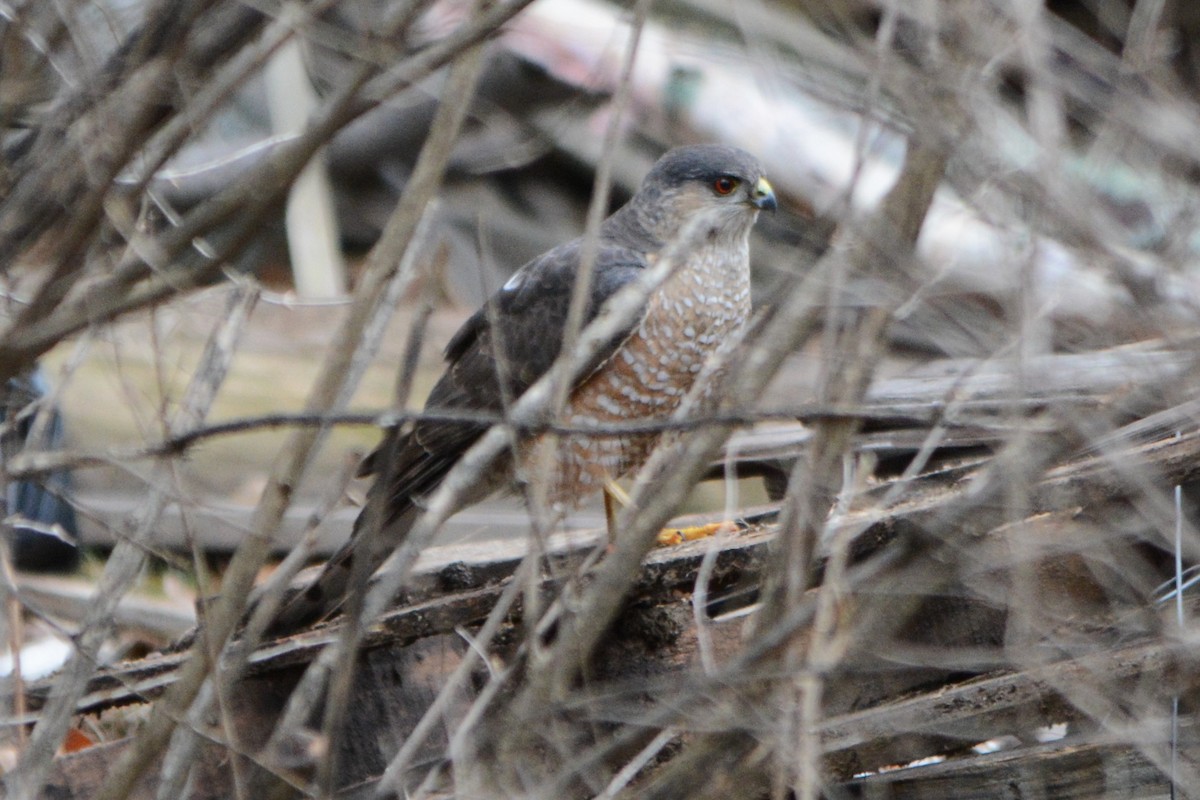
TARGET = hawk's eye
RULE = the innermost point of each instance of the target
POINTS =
(725, 184)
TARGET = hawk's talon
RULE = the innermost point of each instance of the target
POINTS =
(615, 495)
(690, 533)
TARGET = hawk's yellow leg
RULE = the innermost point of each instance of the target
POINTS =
(615, 497)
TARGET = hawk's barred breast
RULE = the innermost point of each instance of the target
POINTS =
(698, 308)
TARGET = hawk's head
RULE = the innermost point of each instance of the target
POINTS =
(721, 185)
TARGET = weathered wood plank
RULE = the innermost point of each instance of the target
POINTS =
(1063, 770)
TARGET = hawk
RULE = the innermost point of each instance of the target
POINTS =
(643, 374)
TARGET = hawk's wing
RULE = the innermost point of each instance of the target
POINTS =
(511, 342)
(524, 323)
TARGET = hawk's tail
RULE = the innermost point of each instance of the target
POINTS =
(408, 465)
(351, 564)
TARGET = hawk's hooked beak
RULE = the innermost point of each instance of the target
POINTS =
(763, 196)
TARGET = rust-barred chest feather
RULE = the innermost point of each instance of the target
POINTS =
(697, 309)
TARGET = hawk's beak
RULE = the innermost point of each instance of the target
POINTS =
(763, 196)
